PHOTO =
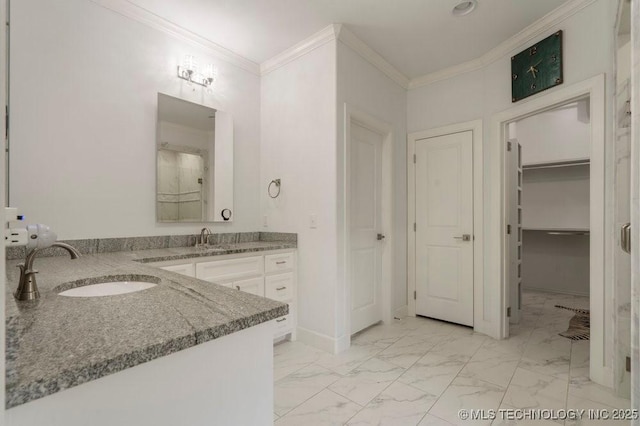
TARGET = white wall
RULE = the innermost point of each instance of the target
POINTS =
(365, 88)
(555, 263)
(84, 84)
(298, 104)
(556, 135)
(588, 51)
(556, 198)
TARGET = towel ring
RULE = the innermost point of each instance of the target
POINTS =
(226, 214)
(275, 182)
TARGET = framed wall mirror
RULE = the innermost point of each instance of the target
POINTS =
(194, 162)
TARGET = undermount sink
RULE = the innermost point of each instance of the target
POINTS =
(107, 289)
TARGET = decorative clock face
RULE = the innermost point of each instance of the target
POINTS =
(537, 68)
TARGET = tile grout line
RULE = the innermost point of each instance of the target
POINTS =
(420, 332)
(315, 394)
(398, 378)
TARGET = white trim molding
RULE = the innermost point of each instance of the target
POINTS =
(371, 56)
(601, 325)
(322, 341)
(480, 322)
(342, 33)
(538, 29)
(145, 17)
(323, 36)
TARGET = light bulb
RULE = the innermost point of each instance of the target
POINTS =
(190, 63)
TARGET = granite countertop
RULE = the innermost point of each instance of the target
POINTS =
(59, 342)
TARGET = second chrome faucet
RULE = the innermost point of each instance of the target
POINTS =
(203, 241)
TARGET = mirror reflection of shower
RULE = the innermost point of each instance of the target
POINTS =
(181, 181)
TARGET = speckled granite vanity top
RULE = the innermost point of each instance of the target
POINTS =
(58, 342)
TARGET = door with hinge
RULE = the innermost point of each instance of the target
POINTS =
(514, 228)
(365, 196)
(444, 227)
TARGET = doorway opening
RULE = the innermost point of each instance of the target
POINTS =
(547, 182)
(589, 96)
(547, 185)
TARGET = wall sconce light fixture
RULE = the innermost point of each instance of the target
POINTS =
(189, 71)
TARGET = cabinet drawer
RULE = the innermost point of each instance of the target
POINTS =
(279, 287)
(187, 269)
(252, 285)
(283, 324)
(229, 269)
(278, 262)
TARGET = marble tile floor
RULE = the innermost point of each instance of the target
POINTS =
(418, 371)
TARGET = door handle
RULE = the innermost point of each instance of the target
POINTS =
(464, 237)
(625, 237)
(380, 237)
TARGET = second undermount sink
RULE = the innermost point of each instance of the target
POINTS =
(110, 288)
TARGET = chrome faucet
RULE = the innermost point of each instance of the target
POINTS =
(204, 238)
(27, 287)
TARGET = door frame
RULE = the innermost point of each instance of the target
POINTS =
(594, 89)
(386, 214)
(475, 127)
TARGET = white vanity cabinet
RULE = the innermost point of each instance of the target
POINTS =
(224, 270)
(270, 274)
(187, 269)
(251, 285)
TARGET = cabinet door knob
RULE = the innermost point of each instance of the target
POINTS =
(281, 262)
(238, 287)
(280, 288)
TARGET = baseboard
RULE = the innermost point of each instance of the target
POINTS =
(546, 290)
(317, 340)
(401, 312)
(342, 344)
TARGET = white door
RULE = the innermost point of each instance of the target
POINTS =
(365, 206)
(444, 227)
(514, 231)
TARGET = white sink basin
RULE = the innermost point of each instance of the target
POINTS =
(107, 289)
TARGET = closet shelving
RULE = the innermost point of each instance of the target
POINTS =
(556, 226)
(556, 164)
(557, 169)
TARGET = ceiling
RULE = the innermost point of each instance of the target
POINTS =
(418, 37)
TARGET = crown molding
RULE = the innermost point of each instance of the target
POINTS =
(143, 16)
(341, 33)
(360, 47)
(323, 36)
(543, 25)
